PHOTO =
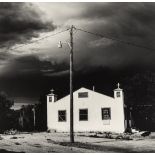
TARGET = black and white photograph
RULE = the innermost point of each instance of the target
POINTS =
(77, 77)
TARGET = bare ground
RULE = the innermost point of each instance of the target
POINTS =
(59, 142)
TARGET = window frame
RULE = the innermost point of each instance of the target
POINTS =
(83, 114)
(80, 95)
(118, 94)
(65, 115)
(50, 99)
(102, 116)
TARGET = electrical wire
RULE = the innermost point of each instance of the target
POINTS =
(39, 39)
(96, 34)
(115, 39)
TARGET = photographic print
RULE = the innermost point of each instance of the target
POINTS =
(77, 77)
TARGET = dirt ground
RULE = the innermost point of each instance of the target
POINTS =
(59, 142)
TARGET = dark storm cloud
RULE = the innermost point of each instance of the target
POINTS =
(5, 56)
(100, 60)
(31, 65)
(132, 22)
(29, 76)
(19, 22)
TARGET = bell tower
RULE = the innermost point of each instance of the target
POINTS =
(120, 106)
(51, 97)
(118, 92)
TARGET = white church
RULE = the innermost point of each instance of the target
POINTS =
(93, 112)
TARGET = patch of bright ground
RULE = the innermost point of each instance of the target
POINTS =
(59, 142)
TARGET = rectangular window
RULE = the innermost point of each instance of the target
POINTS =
(118, 94)
(83, 114)
(83, 94)
(50, 99)
(62, 115)
(106, 113)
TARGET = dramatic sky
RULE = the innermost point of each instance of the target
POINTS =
(33, 69)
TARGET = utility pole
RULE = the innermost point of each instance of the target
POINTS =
(71, 87)
(71, 82)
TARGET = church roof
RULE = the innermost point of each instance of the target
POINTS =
(82, 89)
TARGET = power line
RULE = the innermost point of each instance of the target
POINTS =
(118, 40)
(39, 39)
(96, 34)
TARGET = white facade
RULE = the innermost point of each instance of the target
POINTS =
(92, 112)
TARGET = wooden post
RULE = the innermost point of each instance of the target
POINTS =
(71, 87)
